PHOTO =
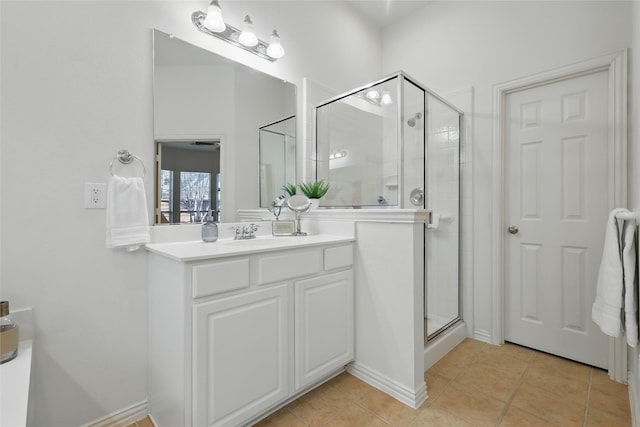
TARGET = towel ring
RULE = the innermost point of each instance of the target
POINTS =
(125, 157)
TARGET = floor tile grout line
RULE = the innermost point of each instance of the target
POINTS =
(515, 390)
(296, 416)
(356, 401)
(361, 405)
(586, 407)
(450, 381)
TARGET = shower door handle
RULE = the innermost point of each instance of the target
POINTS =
(513, 229)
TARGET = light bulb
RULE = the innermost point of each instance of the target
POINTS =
(275, 49)
(214, 20)
(248, 36)
(386, 98)
(372, 94)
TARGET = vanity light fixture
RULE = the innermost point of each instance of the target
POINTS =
(337, 155)
(373, 96)
(386, 98)
(248, 37)
(275, 49)
(214, 20)
(213, 24)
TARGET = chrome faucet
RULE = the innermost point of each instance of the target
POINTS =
(245, 232)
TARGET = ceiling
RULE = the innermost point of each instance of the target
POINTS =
(386, 12)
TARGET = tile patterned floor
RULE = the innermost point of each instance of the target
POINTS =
(476, 384)
(145, 422)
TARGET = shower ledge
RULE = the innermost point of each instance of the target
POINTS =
(391, 215)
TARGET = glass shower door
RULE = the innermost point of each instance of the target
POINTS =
(442, 290)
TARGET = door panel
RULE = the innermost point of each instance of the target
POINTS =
(557, 195)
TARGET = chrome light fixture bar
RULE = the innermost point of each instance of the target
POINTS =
(231, 35)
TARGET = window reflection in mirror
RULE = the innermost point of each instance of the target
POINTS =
(200, 97)
(277, 158)
(189, 185)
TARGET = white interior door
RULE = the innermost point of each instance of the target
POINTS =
(556, 206)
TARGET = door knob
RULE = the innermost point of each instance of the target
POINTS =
(513, 229)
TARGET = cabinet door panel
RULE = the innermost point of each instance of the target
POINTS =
(240, 355)
(323, 326)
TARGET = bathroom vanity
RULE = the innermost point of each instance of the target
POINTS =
(237, 328)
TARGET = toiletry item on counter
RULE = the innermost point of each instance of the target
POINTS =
(8, 334)
(283, 228)
(209, 229)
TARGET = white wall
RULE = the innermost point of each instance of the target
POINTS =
(183, 106)
(453, 45)
(634, 181)
(76, 87)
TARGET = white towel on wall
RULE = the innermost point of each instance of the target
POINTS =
(630, 287)
(127, 217)
(615, 307)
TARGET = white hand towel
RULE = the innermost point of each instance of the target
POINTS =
(607, 308)
(630, 289)
(127, 217)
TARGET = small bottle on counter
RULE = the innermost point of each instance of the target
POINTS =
(209, 229)
(8, 334)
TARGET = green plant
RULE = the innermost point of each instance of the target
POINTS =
(289, 188)
(314, 190)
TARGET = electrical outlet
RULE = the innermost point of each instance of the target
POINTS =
(95, 195)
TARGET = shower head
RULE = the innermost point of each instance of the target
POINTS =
(412, 121)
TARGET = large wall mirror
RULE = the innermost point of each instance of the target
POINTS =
(277, 158)
(210, 116)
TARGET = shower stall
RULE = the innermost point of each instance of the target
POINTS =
(396, 144)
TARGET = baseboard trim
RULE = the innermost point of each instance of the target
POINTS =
(123, 417)
(482, 335)
(411, 398)
(634, 389)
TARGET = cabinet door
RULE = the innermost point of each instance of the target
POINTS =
(323, 326)
(240, 356)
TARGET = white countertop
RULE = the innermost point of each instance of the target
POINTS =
(198, 250)
(14, 387)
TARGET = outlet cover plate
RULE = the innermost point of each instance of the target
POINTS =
(95, 195)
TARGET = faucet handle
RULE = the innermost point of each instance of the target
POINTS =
(251, 230)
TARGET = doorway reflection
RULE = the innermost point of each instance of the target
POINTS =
(189, 181)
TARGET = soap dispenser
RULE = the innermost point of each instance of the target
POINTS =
(8, 334)
(209, 228)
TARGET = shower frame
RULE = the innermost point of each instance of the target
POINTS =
(403, 77)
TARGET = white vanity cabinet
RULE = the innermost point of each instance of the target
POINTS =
(240, 354)
(233, 337)
(323, 326)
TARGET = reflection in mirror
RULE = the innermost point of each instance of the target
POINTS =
(207, 114)
(189, 185)
(277, 159)
(357, 146)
